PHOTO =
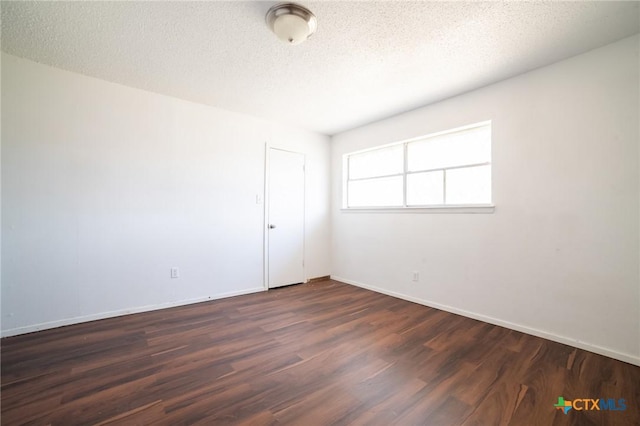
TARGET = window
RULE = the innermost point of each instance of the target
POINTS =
(446, 169)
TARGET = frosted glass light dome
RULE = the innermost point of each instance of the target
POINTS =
(292, 23)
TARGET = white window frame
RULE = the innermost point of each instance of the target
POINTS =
(431, 208)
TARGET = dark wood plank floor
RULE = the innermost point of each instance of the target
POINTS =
(314, 354)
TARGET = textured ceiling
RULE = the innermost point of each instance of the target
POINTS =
(368, 60)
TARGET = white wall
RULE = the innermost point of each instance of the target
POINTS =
(105, 188)
(559, 257)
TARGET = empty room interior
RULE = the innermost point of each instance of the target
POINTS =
(325, 212)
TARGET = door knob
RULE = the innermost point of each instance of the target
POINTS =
(271, 226)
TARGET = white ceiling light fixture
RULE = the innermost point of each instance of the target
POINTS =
(291, 22)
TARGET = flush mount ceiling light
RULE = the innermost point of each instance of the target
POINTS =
(291, 22)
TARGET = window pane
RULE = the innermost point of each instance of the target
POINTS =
(425, 188)
(380, 192)
(471, 146)
(470, 185)
(380, 162)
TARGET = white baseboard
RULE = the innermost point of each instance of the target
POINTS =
(631, 359)
(110, 314)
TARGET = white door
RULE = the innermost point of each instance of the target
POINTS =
(286, 218)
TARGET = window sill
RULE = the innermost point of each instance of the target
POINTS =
(456, 209)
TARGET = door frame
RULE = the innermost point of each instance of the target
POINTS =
(265, 225)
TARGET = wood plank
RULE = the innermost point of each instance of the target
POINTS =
(318, 353)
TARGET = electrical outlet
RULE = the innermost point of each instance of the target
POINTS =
(416, 276)
(175, 272)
